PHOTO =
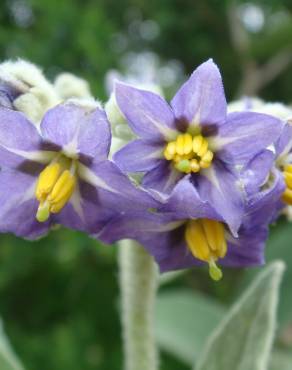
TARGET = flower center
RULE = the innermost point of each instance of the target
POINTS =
(287, 195)
(207, 242)
(189, 153)
(55, 187)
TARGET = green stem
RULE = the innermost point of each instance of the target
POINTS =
(138, 284)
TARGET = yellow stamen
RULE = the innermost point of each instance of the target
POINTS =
(188, 143)
(287, 195)
(189, 153)
(197, 241)
(170, 151)
(215, 233)
(197, 143)
(204, 147)
(205, 164)
(62, 191)
(180, 144)
(288, 168)
(195, 167)
(288, 179)
(47, 180)
(206, 240)
(208, 156)
(54, 188)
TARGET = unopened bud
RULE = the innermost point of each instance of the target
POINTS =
(23, 87)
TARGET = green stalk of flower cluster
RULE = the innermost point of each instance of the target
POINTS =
(138, 284)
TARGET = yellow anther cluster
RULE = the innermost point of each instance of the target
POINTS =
(206, 240)
(287, 195)
(189, 153)
(54, 188)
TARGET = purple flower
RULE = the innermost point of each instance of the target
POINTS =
(60, 173)
(278, 158)
(194, 137)
(188, 231)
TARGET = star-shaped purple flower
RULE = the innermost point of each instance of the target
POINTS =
(194, 137)
(60, 173)
(186, 231)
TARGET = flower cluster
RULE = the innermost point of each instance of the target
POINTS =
(211, 178)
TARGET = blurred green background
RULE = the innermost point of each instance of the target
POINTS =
(59, 295)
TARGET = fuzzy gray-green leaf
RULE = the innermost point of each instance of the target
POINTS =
(184, 320)
(244, 338)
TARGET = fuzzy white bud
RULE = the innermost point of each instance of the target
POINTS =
(31, 93)
(254, 104)
(68, 86)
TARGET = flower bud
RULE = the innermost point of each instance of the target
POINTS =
(69, 86)
(23, 87)
(253, 104)
(121, 132)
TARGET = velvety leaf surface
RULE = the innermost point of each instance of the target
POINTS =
(244, 338)
(281, 360)
(184, 320)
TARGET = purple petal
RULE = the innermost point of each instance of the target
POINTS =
(149, 116)
(284, 144)
(138, 225)
(244, 135)
(201, 100)
(114, 189)
(255, 173)
(185, 203)
(18, 138)
(139, 156)
(264, 205)
(78, 131)
(221, 189)
(248, 250)
(162, 178)
(86, 213)
(169, 249)
(19, 205)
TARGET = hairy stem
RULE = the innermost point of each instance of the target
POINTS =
(138, 284)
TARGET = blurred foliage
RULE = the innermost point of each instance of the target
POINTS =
(58, 296)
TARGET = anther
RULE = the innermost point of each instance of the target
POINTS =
(188, 143)
(287, 195)
(188, 153)
(207, 242)
(55, 187)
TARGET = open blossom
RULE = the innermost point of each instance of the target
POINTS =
(279, 156)
(186, 231)
(194, 137)
(60, 174)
